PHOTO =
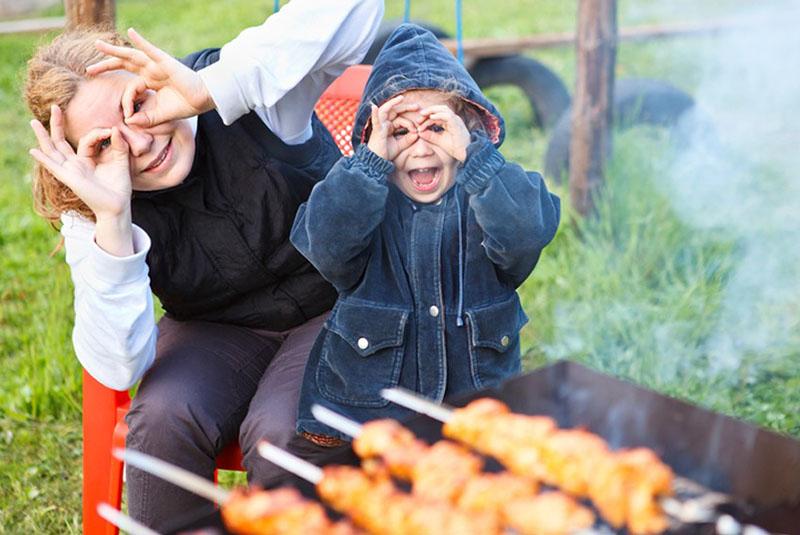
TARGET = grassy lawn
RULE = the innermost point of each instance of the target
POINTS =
(687, 281)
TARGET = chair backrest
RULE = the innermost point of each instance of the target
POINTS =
(337, 106)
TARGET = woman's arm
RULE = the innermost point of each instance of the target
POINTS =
(517, 214)
(115, 333)
(280, 68)
(334, 229)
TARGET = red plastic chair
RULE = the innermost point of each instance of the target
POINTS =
(337, 106)
(104, 410)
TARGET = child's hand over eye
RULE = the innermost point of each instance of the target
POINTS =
(445, 129)
(391, 134)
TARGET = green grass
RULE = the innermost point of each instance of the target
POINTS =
(639, 294)
(40, 474)
(637, 291)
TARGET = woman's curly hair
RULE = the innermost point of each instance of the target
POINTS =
(55, 73)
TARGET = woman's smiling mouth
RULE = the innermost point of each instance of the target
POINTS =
(160, 159)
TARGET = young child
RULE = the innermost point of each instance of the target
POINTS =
(426, 232)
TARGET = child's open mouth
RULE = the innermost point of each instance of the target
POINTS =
(425, 179)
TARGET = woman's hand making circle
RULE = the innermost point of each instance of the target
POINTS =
(98, 173)
(164, 88)
(392, 134)
(445, 129)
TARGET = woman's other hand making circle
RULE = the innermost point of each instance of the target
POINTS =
(98, 173)
(163, 90)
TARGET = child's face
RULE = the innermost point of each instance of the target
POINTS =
(426, 169)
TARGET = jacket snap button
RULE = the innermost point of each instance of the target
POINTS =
(504, 341)
(363, 343)
(433, 311)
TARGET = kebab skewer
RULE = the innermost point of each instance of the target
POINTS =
(628, 487)
(448, 472)
(374, 503)
(122, 521)
(251, 511)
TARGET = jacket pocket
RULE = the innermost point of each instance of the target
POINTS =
(362, 353)
(494, 341)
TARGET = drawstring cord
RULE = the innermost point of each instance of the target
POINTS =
(460, 312)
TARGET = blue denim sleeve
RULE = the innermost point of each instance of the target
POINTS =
(517, 214)
(335, 227)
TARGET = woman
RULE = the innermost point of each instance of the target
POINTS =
(184, 178)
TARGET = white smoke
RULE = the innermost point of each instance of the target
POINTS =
(741, 177)
(734, 176)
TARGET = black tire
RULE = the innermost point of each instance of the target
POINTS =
(385, 30)
(547, 94)
(636, 101)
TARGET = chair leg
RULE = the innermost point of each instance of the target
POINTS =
(117, 466)
(100, 406)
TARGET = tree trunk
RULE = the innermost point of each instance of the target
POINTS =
(592, 105)
(89, 13)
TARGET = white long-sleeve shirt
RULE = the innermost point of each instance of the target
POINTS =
(279, 69)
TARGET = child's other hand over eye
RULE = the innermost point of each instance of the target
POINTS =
(391, 134)
(442, 127)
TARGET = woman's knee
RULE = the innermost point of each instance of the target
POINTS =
(157, 420)
(166, 416)
(191, 396)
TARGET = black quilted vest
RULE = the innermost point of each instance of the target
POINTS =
(221, 249)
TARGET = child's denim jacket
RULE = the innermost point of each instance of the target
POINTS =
(427, 292)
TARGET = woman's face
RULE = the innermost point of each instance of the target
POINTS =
(160, 157)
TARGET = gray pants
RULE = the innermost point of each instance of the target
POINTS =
(212, 384)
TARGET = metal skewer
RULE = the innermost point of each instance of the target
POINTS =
(175, 475)
(336, 420)
(289, 462)
(123, 521)
(727, 525)
(412, 400)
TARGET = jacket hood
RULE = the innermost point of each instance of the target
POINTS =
(412, 58)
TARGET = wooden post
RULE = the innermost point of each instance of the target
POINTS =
(592, 106)
(90, 13)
